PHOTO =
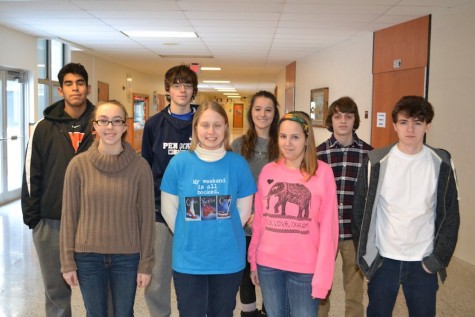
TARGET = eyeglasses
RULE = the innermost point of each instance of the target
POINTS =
(115, 122)
(179, 86)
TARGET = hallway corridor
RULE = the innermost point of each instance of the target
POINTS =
(21, 287)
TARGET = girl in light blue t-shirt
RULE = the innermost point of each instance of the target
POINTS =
(206, 199)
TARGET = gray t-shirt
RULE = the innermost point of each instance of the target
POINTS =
(258, 160)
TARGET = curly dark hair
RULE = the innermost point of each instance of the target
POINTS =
(414, 107)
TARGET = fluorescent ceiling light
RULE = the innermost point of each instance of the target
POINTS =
(233, 97)
(228, 89)
(216, 81)
(230, 93)
(184, 56)
(210, 68)
(159, 34)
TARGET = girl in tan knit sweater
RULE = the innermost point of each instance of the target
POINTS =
(107, 225)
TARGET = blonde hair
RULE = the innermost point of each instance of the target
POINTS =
(212, 105)
(309, 164)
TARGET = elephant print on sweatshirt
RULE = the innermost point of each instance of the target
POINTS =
(293, 193)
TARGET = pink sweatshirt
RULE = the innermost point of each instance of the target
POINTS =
(296, 223)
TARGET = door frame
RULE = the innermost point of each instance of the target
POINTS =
(6, 194)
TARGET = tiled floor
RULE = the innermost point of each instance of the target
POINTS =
(21, 288)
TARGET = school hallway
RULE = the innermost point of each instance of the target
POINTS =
(21, 287)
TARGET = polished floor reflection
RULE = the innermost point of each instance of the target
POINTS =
(21, 287)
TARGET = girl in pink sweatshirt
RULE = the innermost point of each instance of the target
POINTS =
(295, 230)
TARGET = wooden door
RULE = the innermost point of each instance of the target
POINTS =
(388, 88)
(290, 73)
(140, 108)
(129, 138)
(102, 91)
(238, 111)
(400, 64)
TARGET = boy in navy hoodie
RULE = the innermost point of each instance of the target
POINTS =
(166, 134)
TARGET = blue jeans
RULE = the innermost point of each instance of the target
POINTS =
(212, 295)
(97, 271)
(287, 293)
(419, 287)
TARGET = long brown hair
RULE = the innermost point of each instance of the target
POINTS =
(212, 105)
(250, 138)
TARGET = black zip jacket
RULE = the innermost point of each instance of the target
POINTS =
(364, 214)
(48, 154)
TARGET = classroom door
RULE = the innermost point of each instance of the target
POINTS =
(400, 64)
(238, 115)
(388, 88)
(102, 91)
(12, 134)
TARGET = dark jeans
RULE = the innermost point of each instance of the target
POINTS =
(247, 290)
(211, 295)
(287, 293)
(97, 271)
(419, 287)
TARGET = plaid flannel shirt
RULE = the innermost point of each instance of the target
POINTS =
(345, 162)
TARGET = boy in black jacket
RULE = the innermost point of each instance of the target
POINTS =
(64, 132)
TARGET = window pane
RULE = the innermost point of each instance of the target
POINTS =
(43, 99)
(57, 59)
(15, 128)
(42, 56)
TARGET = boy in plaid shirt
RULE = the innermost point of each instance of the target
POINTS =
(345, 152)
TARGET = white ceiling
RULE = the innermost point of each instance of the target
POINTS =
(251, 40)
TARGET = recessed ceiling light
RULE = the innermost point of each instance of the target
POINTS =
(158, 34)
(210, 68)
(216, 81)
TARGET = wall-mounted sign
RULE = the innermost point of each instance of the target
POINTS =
(381, 120)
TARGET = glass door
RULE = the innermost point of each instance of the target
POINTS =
(12, 134)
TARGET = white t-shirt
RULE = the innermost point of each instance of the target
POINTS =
(406, 209)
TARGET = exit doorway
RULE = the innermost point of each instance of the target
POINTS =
(12, 133)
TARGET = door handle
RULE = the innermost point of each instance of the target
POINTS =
(13, 137)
